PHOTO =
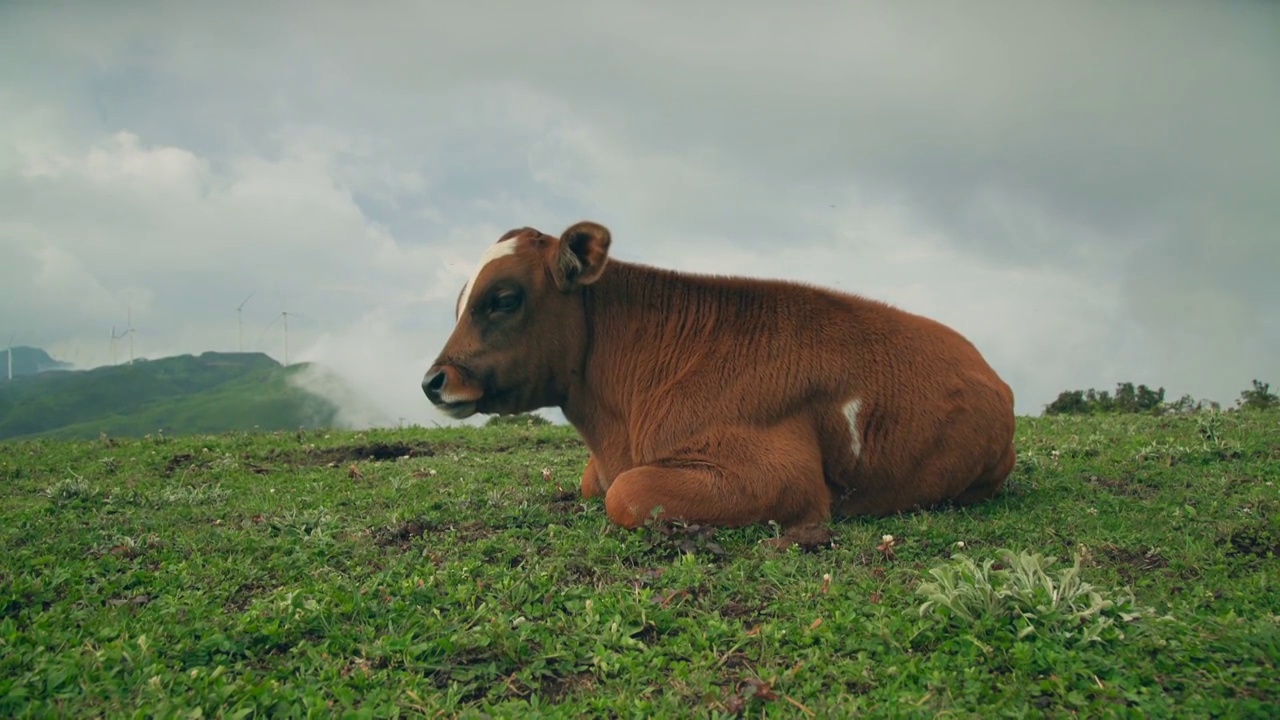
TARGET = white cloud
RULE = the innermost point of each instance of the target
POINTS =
(158, 232)
(1083, 188)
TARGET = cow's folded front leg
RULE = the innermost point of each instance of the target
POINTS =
(723, 496)
(694, 494)
(591, 479)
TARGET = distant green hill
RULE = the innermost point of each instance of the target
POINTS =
(209, 393)
(27, 361)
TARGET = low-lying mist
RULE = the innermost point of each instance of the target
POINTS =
(373, 371)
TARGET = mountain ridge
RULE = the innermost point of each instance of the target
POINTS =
(27, 361)
(181, 394)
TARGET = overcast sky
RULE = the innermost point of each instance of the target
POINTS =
(1089, 191)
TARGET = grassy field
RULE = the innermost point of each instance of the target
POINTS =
(456, 572)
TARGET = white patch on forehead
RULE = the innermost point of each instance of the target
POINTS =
(851, 410)
(495, 251)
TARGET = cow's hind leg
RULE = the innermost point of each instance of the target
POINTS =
(943, 478)
(989, 484)
(765, 475)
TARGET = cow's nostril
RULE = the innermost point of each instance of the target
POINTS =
(432, 384)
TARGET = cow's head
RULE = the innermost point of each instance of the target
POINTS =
(520, 323)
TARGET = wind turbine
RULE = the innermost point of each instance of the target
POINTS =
(284, 317)
(130, 333)
(240, 324)
(9, 352)
(114, 338)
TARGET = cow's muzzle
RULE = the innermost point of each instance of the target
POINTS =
(445, 387)
(433, 383)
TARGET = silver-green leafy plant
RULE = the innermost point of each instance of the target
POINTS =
(1026, 592)
(69, 489)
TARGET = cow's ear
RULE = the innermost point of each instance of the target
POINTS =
(584, 251)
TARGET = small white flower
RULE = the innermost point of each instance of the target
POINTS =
(886, 538)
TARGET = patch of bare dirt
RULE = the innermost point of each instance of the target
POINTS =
(134, 600)
(567, 502)
(649, 634)
(670, 539)
(553, 689)
(400, 535)
(473, 530)
(312, 456)
(182, 461)
(377, 451)
(752, 693)
(562, 495)
(1125, 487)
(242, 596)
(558, 688)
(1130, 562)
(747, 612)
(1254, 541)
(582, 572)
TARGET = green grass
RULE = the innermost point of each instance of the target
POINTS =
(455, 572)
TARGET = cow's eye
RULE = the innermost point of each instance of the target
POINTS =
(505, 302)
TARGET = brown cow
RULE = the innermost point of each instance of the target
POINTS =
(724, 400)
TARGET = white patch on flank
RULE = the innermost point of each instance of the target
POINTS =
(495, 251)
(851, 409)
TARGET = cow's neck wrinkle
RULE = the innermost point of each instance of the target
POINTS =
(635, 317)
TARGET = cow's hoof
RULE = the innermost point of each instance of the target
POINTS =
(808, 537)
